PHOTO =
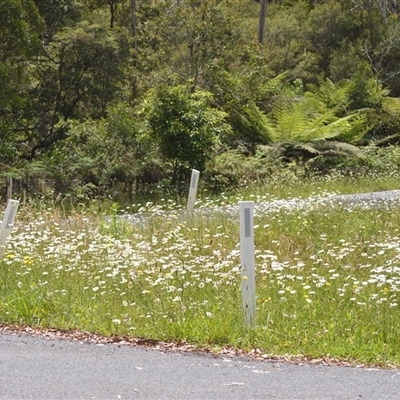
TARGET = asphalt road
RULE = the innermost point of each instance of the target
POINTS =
(33, 367)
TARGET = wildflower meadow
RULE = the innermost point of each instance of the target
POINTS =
(327, 273)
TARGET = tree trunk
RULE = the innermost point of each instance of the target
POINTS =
(261, 25)
(135, 55)
(112, 9)
(383, 8)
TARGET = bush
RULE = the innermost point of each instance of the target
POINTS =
(232, 169)
(185, 127)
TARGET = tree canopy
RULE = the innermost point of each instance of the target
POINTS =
(195, 79)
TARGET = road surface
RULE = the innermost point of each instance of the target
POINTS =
(33, 367)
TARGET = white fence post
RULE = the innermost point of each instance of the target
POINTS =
(194, 181)
(247, 261)
(7, 224)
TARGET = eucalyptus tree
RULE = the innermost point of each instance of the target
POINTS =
(387, 8)
(80, 73)
(178, 42)
(20, 30)
(58, 14)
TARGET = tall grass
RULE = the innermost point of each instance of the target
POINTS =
(328, 275)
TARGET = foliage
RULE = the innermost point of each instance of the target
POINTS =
(326, 29)
(284, 46)
(107, 157)
(185, 127)
(203, 33)
(325, 74)
(20, 28)
(57, 15)
(307, 121)
(231, 170)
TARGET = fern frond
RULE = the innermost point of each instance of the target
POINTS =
(389, 140)
(334, 96)
(308, 147)
(293, 150)
(349, 129)
(391, 105)
(256, 123)
(290, 123)
(357, 129)
(338, 148)
(274, 85)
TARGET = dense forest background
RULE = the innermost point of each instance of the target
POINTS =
(122, 98)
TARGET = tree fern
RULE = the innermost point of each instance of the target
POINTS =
(334, 96)
(309, 150)
(358, 126)
(334, 147)
(301, 124)
(274, 85)
(289, 123)
(306, 118)
(255, 124)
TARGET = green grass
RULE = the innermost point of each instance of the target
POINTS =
(328, 278)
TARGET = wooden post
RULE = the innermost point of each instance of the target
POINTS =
(7, 224)
(9, 187)
(194, 181)
(247, 261)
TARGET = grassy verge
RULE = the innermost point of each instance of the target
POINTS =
(328, 277)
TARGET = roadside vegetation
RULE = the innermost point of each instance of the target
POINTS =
(107, 106)
(121, 99)
(328, 275)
